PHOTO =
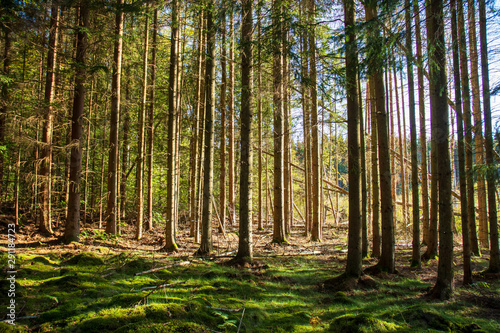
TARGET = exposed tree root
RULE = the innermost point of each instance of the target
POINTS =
(348, 283)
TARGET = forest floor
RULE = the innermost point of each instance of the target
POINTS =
(95, 286)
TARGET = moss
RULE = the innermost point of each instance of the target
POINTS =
(361, 323)
(158, 312)
(42, 260)
(171, 326)
(421, 317)
(85, 259)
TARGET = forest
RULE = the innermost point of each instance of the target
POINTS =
(249, 166)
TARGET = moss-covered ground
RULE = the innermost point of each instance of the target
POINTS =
(94, 289)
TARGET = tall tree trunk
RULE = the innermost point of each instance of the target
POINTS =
(423, 135)
(279, 223)
(494, 266)
(245, 227)
(386, 204)
(439, 108)
(354, 265)
(4, 102)
(206, 245)
(87, 155)
(413, 138)
(375, 176)
(464, 72)
(478, 127)
(113, 161)
(151, 115)
(141, 140)
(125, 153)
(461, 148)
(170, 243)
(48, 125)
(222, 179)
(231, 163)
(72, 230)
(316, 170)
(259, 116)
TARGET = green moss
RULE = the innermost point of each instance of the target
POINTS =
(361, 323)
(8, 328)
(171, 326)
(85, 259)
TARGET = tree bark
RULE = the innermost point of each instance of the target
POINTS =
(72, 230)
(48, 124)
(439, 108)
(230, 162)
(494, 264)
(461, 149)
(245, 227)
(222, 177)
(112, 211)
(206, 218)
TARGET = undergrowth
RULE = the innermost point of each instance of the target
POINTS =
(99, 292)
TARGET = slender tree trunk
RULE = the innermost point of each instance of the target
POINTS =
(354, 256)
(72, 230)
(375, 176)
(386, 204)
(461, 148)
(439, 108)
(170, 243)
(125, 154)
(231, 163)
(279, 223)
(222, 179)
(245, 227)
(206, 217)
(113, 161)
(141, 140)
(315, 147)
(413, 138)
(48, 124)
(87, 155)
(423, 135)
(4, 102)
(478, 127)
(464, 71)
(259, 116)
(494, 266)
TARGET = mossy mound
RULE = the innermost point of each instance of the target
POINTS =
(85, 259)
(171, 326)
(63, 282)
(361, 323)
(42, 260)
(420, 317)
(136, 265)
(8, 328)
(158, 312)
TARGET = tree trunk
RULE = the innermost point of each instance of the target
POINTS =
(72, 230)
(245, 227)
(423, 135)
(315, 147)
(170, 243)
(375, 176)
(48, 124)
(112, 211)
(222, 178)
(413, 138)
(494, 266)
(461, 148)
(439, 108)
(354, 265)
(259, 117)
(464, 71)
(231, 164)
(125, 154)
(279, 223)
(141, 139)
(4, 102)
(206, 217)
(386, 204)
(151, 115)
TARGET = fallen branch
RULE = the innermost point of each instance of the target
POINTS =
(241, 320)
(307, 253)
(182, 263)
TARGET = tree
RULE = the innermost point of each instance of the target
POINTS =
(112, 212)
(461, 148)
(375, 70)
(413, 139)
(277, 47)
(48, 124)
(245, 251)
(208, 172)
(170, 243)
(353, 266)
(72, 230)
(439, 107)
(494, 265)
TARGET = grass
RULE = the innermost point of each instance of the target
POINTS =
(98, 292)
